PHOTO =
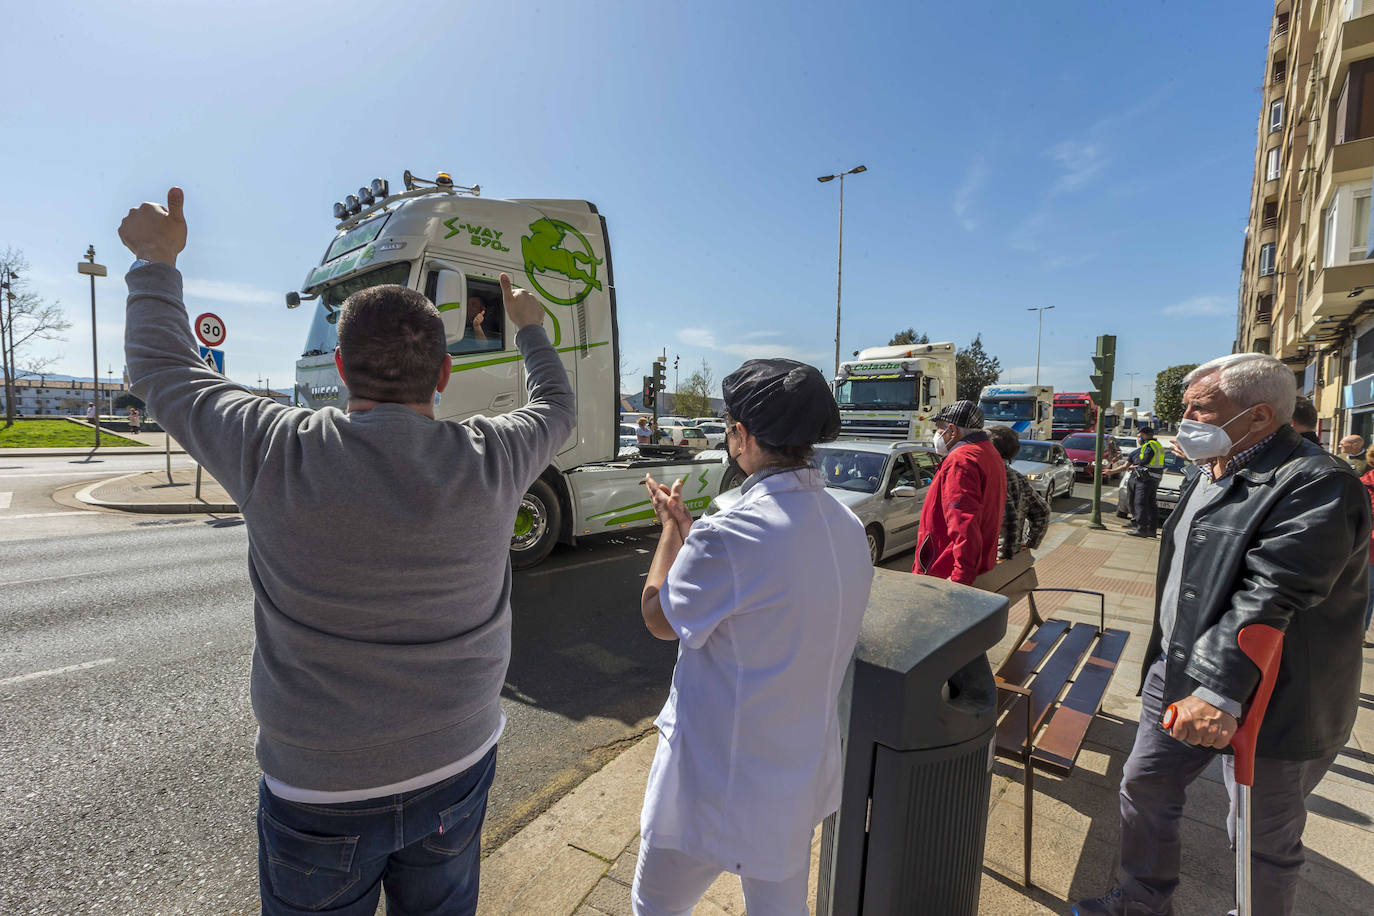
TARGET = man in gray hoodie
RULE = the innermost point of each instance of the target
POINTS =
(380, 650)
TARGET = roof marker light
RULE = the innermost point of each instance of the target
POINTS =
(340, 211)
(380, 187)
(365, 195)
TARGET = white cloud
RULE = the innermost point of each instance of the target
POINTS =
(231, 291)
(963, 198)
(1202, 305)
(1080, 161)
(748, 346)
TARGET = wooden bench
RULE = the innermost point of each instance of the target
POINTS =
(1049, 689)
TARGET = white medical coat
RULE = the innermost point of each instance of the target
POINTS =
(766, 599)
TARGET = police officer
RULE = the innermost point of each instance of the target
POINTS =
(1147, 464)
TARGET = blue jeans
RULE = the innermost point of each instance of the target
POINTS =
(423, 846)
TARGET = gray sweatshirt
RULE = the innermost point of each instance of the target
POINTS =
(377, 549)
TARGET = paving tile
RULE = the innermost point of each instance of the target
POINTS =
(611, 898)
(559, 888)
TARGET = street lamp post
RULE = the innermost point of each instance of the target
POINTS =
(7, 275)
(839, 269)
(93, 270)
(1040, 324)
(1132, 375)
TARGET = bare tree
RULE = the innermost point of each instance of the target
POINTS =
(693, 399)
(24, 318)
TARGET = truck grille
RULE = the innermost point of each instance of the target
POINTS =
(869, 428)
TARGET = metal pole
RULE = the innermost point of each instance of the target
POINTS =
(95, 355)
(168, 440)
(839, 281)
(1039, 326)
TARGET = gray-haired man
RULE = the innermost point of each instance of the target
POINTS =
(1273, 530)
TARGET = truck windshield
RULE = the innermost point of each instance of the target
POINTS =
(873, 393)
(1007, 409)
(324, 332)
(1071, 415)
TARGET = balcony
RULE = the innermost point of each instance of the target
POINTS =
(1340, 289)
(1354, 156)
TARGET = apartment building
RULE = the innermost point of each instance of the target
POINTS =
(1307, 276)
(41, 396)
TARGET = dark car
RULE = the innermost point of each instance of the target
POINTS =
(1082, 450)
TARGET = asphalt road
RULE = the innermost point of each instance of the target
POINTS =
(126, 758)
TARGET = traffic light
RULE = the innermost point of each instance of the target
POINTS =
(660, 373)
(1137, 403)
(649, 393)
(1105, 363)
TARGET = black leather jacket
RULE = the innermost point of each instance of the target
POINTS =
(1285, 543)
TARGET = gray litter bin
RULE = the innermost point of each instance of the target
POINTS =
(921, 711)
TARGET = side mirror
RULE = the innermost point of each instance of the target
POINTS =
(903, 492)
(452, 305)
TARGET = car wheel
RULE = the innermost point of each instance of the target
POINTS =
(1049, 494)
(875, 543)
(537, 520)
(732, 477)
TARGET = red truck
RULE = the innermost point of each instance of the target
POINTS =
(1074, 412)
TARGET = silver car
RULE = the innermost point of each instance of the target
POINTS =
(883, 483)
(1171, 482)
(1047, 466)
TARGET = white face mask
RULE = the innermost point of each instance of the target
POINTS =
(1203, 441)
(941, 446)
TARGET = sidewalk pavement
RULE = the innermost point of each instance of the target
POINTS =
(153, 491)
(578, 858)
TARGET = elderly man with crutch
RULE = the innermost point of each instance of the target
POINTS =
(1274, 532)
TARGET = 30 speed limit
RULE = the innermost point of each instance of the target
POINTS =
(210, 329)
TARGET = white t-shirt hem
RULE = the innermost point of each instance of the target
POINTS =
(316, 797)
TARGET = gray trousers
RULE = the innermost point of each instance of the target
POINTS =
(1153, 787)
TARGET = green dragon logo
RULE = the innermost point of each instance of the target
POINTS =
(543, 253)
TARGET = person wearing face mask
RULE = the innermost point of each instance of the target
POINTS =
(1147, 463)
(962, 514)
(1272, 530)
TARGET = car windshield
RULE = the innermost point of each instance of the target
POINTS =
(1174, 463)
(1034, 451)
(1082, 443)
(1007, 408)
(324, 331)
(850, 469)
(874, 393)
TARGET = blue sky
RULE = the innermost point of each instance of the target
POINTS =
(1091, 156)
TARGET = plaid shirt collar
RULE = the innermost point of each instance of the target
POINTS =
(1238, 461)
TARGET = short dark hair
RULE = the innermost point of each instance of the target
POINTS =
(391, 343)
(1305, 413)
(1005, 440)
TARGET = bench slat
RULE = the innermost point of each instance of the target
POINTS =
(1045, 689)
(1017, 668)
(1057, 749)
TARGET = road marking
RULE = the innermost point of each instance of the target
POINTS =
(81, 667)
(5, 499)
(80, 575)
(104, 473)
(52, 514)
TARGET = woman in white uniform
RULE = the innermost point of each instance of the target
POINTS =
(765, 598)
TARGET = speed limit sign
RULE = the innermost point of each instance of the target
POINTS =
(210, 329)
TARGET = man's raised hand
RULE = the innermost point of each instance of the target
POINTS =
(156, 233)
(523, 306)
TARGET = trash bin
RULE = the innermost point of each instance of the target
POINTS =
(918, 715)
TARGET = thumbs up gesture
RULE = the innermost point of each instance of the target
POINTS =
(522, 306)
(156, 233)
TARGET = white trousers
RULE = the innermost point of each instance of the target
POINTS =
(669, 883)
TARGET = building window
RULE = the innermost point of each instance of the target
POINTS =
(1329, 242)
(1359, 227)
(1271, 164)
(1276, 116)
(1355, 105)
(1267, 259)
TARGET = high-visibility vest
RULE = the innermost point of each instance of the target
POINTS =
(1153, 454)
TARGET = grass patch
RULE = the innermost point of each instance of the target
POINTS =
(57, 434)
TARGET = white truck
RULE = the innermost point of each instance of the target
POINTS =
(894, 392)
(1027, 409)
(452, 244)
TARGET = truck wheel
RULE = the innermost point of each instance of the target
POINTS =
(732, 477)
(537, 521)
(875, 543)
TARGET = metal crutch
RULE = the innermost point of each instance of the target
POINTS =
(1263, 645)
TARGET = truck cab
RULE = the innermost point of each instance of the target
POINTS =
(451, 244)
(1027, 409)
(1074, 411)
(894, 392)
